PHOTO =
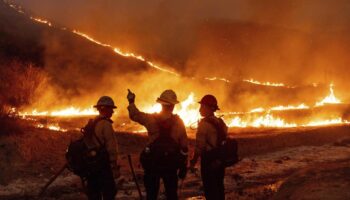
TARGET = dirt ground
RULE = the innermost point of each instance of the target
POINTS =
(278, 169)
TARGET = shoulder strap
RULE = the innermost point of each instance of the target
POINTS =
(221, 133)
(93, 126)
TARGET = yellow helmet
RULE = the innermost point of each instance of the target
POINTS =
(168, 97)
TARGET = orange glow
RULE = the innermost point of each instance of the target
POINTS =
(267, 120)
(188, 109)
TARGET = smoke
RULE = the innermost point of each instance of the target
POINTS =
(295, 42)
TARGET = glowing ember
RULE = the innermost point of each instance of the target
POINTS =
(330, 99)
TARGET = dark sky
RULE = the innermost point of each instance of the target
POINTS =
(305, 15)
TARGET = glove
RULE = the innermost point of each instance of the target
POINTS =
(131, 97)
(182, 172)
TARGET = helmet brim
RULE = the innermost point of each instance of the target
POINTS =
(217, 107)
(164, 102)
(97, 106)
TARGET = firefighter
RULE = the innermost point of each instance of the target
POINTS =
(212, 169)
(101, 185)
(165, 156)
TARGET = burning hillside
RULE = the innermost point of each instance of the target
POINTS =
(302, 114)
(282, 90)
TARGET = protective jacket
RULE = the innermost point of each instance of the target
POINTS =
(105, 133)
(178, 132)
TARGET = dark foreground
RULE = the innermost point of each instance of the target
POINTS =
(287, 164)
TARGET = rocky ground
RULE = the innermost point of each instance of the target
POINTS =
(307, 171)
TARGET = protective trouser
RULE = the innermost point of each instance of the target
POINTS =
(152, 183)
(101, 185)
(213, 181)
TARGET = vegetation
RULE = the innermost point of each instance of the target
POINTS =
(19, 83)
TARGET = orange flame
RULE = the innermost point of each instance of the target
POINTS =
(67, 112)
(267, 83)
(330, 99)
(43, 21)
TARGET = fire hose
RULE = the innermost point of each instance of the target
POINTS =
(134, 176)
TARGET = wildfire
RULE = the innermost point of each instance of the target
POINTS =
(188, 109)
(330, 99)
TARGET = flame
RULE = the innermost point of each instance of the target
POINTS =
(330, 99)
(328, 122)
(267, 120)
(267, 83)
(67, 112)
(290, 107)
(187, 110)
(43, 21)
(125, 54)
(217, 79)
(53, 127)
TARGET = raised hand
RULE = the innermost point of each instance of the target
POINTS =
(131, 96)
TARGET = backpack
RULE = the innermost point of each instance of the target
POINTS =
(163, 153)
(226, 148)
(84, 161)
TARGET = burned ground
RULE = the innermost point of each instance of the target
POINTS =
(268, 159)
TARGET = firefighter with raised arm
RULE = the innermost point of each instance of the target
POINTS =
(207, 137)
(100, 183)
(165, 156)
